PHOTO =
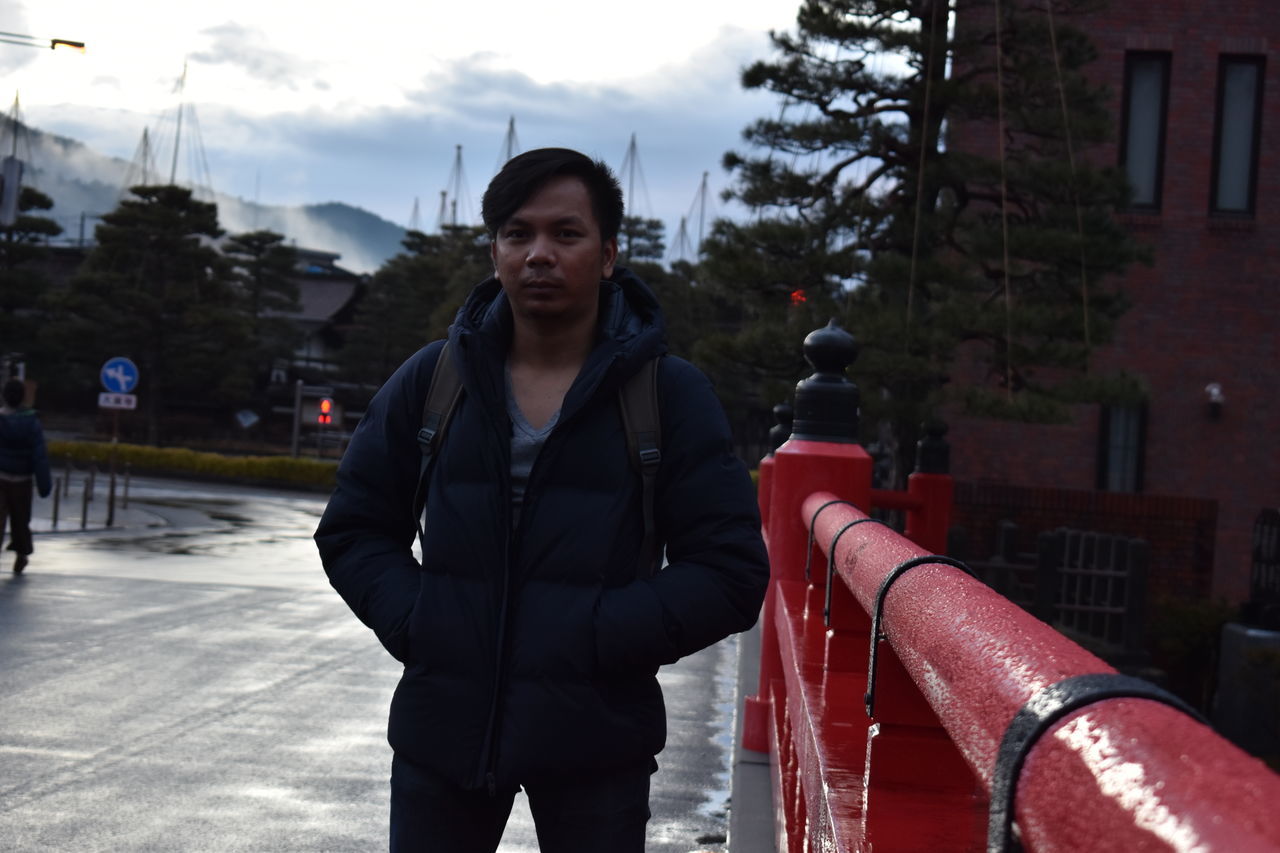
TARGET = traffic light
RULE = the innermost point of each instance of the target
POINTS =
(325, 415)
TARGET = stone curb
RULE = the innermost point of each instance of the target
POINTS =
(751, 827)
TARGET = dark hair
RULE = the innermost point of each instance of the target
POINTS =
(526, 173)
(14, 391)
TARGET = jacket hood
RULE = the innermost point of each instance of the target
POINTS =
(630, 330)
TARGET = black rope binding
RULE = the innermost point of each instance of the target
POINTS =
(831, 564)
(877, 617)
(1036, 717)
(808, 554)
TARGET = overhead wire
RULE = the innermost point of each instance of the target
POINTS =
(1004, 206)
(877, 67)
(924, 149)
(1075, 189)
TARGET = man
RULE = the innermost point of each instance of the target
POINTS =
(533, 628)
(22, 457)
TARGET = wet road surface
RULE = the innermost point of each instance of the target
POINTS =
(190, 682)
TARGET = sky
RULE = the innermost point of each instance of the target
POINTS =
(365, 102)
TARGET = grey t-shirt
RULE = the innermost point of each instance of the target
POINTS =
(526, 442)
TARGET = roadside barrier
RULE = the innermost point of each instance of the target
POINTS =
(907, 706)
(62, 489)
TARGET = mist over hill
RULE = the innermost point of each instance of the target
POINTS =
(85, 184)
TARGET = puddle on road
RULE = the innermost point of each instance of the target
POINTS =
(204, 525)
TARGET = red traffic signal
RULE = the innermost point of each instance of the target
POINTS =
(325, 415)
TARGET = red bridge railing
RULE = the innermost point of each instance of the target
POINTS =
(977, 717)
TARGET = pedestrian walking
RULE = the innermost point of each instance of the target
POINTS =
(546, 489)
(23, 457)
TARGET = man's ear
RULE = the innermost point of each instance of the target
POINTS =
(493, 253)
(609, 255)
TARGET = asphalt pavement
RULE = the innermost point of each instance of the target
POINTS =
(187, 681)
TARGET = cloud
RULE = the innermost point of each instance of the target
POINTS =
(12, 56)
(245, 49)
(685, 116)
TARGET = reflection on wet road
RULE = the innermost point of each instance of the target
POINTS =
(189, 681)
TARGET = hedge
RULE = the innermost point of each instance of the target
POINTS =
(177, 461)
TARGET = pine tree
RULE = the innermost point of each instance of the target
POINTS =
(641, 239)
(21, 284)
(155, 289)
(263, 266)
(925, 182)
(413, 298)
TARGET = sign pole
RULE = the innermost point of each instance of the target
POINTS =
(111, 493)
(297, 416)
(119, 376)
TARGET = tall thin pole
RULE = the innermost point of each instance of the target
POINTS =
(629, 167)
(630, 160)
(297, 417)
(702, 211)
(511, 147)
(456, 184)
(146, 157)
(14, 124)
(177, 136)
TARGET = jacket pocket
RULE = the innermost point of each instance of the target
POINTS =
(451, 627)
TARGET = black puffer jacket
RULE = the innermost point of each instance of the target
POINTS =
(533, 652)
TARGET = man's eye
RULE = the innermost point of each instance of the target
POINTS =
(515, 234)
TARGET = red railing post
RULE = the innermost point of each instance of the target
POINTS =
(778, 436)
(800, 467)
(931, 489)
(764, 491)
(928, 525)
(822, 454)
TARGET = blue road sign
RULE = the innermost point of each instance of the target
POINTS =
(120, 375)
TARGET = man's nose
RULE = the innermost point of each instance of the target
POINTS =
(541, 250)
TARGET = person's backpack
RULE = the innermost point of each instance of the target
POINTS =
(638, 399)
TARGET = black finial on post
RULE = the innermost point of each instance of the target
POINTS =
(781, 431)
(933, 452)
(827, 402)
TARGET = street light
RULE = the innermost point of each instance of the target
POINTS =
(32, 41)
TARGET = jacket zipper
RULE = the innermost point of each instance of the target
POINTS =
(489, 755)
(489, 750)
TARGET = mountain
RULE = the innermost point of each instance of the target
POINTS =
(85, 184)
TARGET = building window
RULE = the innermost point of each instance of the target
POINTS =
(1236, 133)
(1122, 439)
(1146, 101)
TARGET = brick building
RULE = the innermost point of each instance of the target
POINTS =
(1196, 96)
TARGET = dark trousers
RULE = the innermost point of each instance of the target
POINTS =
(597, 813)
(15, 507)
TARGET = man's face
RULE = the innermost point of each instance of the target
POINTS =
(549, 255)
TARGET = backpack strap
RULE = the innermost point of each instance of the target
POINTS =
(638, 400)
(442, 399)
